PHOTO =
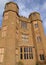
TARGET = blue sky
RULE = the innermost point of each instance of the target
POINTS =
(26, 7)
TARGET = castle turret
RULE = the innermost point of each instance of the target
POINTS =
(0, 35)
(9, 29)
(0, 32)
(11, 6)
(22, 39)
(34, 16)
(38, 35)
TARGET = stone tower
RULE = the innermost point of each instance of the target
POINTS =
(38, 35)
(8, 32)
(22, 39)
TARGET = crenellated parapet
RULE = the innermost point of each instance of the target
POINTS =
(35, 16)
(11, 6)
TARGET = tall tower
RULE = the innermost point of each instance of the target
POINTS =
(0, 32)
(22, 39)
(0, 35)
(38, 37)
(8, 32)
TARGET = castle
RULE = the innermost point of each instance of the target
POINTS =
(21, 39)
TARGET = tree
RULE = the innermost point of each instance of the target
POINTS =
(20, 63)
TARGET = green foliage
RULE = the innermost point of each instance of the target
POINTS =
(20, 63)
(37, 64)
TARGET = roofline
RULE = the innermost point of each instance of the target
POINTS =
(13, 3)
(10, 10)
(33, 13)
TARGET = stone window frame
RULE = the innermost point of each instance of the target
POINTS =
(26, 54)
(6, 16)
(38, 38)
(23, 25)
(4, 31)
(1, 54)
(25, 37)
(42, 57)
(35, 24)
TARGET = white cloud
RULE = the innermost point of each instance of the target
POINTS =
(44, 23)
(26, 11)
(2, 4)
(44, 6)
(22, 8)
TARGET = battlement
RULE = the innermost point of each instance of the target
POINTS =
(11, 6)
(35, 16)
(22, 39)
